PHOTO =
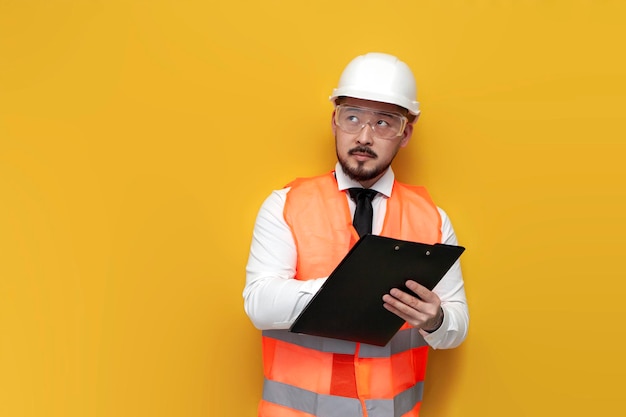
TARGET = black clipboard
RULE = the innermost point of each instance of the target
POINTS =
(349, 305)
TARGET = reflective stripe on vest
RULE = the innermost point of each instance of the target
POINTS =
(320, 405)
(405, 339)
(313, 376)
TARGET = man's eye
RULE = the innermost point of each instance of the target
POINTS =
(382, 123)
(353, 119)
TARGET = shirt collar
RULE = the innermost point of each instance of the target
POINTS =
(384, 185)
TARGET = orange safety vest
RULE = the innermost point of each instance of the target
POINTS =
(311, 376)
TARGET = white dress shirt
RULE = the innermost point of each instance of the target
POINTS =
(273, 298)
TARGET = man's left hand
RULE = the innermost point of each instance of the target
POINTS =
(424, 312)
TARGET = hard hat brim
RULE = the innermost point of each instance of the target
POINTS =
(411, 106)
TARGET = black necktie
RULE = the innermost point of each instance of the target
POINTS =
(363, 214)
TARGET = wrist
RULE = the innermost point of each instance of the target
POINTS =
(437, 324)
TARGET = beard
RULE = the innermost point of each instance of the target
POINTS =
(359, 173)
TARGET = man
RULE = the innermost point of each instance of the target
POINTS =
(304, 230)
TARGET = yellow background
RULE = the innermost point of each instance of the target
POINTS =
(139, 138)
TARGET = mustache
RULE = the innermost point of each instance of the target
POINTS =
(362, 149)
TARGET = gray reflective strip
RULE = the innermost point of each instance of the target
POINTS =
(402, 341)
(334, 406)
(322, 344)
(397, 407)
(309, 402)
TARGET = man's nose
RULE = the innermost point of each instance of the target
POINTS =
(366, 135)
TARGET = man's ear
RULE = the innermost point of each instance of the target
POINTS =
(408, 131)
(406, 136)
(332, 123)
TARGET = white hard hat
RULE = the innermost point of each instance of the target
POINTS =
(379, 77)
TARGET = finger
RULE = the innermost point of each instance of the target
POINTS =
(405, 298)
(403, 304)
(405, 312)
(421, 291)
(427, 304)
(399, 313)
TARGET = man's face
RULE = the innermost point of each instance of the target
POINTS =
(363, 156)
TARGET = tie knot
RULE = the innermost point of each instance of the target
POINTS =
(362, 194)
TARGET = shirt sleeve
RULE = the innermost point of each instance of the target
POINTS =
(272, 298)
(451, 291)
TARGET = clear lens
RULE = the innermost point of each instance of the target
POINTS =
(384, 125)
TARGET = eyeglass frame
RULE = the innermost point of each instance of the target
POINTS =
(403, 118)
